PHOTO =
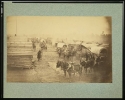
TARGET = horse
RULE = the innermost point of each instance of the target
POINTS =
(88, 63)
(101, 64)
(102, 68)
(65, 67)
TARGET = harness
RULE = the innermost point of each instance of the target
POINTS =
(70, 67)
(65, 65)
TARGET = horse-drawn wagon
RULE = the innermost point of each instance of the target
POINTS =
(60, 46)
(103, 61)
(99, 50)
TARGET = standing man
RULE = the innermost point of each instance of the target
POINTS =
(39, 54)
(34, 46)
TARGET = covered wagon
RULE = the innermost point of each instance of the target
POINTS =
(99, 50)
(60, 45)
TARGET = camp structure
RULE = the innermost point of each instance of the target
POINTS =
(89, 45)
(19, 52)
(99, 50)
(60, 45)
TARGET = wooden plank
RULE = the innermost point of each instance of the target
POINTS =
(13, 45)
(20, 65)
(17, 42)
(19, 50)
(19, 57)
(20, 53)
(19, 60)
(20, 46)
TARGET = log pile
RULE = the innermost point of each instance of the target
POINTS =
(19, 53)
(19, 46)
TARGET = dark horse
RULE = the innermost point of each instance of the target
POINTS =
(65, 67)
(100, 64)
(89, 63)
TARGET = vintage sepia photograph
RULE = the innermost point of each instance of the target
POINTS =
(59, 49)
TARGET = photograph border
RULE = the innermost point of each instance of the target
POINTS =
(69, 91)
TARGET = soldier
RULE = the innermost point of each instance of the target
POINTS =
(34, 46)
(39, 54)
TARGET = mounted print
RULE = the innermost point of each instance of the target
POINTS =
(56, 49)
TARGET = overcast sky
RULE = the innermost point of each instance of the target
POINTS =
(58, 26)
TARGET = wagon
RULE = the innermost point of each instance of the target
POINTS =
(60, 45)
(100, 51)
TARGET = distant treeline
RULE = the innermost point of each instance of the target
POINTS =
(105, 38)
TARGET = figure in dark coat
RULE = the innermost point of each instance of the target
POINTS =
(39, 55)
(34, 46)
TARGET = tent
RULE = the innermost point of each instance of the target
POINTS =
(42, 40)
(78, 42)
(60, 45)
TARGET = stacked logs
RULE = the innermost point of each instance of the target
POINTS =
(19, 54)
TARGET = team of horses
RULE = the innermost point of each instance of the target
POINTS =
(88, 63)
